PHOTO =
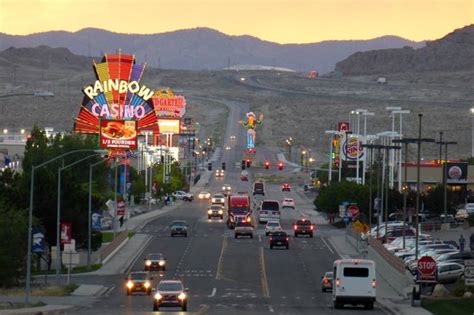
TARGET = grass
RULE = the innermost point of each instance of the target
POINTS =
(42, 290)
(451, 306)
(131, 234)
(78, 269)
(107, 237)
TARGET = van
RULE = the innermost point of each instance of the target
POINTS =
(269, 210)
(354, 283)
(259, 188)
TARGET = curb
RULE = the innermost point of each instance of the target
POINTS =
(129, 265)
(109, 257)
(386, 308)
(46, 309)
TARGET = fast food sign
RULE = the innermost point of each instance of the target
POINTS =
(352, 147)
(118, 134)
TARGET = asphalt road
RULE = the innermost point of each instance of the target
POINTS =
(233, 276)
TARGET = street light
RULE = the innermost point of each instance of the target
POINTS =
(445, 175)
(30, 216)
(401, 113)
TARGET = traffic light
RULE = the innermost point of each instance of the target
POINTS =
(209, 166)
(223, 166)
(333, 155)
(280, 166)
(248, 162)
(267, 165)
(243, 164)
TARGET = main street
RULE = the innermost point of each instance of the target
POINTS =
(227, 275)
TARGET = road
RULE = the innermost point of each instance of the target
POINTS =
(227, 275)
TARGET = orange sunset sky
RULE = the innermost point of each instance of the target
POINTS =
(282, 21)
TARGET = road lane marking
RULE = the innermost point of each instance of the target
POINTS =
(263, 276)
(270, 308)
(221, 258)
(213, 293)
(327, 245)
(203, 310)
(259, 238)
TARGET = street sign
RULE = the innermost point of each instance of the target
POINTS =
(469, 271)
(38, 241)
(96, 221)
(353, 210)
(121, 208)
(66, 233)
(426, 269)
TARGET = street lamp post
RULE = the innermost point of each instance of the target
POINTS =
(472, 130)
(30, 217)
(445, 175)
(401, 113)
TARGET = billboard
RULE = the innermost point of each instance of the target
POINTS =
(168, 105)
(66, 233)
(350, 149)
(118, 134)
(343, 126)
(456, 172)
(169, 126)
(38, 241)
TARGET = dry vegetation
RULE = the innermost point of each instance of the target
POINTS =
(293, 104)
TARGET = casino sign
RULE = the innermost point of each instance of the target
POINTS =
(117, 106)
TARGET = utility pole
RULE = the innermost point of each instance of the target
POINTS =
(445, 175)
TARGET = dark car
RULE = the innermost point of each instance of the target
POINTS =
(138, 282)
(279, 239)
(285, 187)
(326, 281)
(303, 226)
(258, 188)
(179, 227)
(155, 262)
(170, 293)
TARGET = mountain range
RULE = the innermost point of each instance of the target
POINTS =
(205, 48)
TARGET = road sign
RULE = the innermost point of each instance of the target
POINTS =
(353, 210)
(66, 233)
(38, 241)
(469, 271)
(120, 208)
(426, 269)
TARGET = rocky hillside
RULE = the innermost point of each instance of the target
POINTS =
(453, 52)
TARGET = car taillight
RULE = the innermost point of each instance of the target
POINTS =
(325, 280)
(338, 282)
(312, 227)
(271, 238)
(295, 226)
(287, 238)
(374, 283)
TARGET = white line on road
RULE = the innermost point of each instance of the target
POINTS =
(213, 292)
(221, 257)
(270, 308)
(260, 238)
(327, 245)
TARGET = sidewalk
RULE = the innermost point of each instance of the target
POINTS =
(387, 298)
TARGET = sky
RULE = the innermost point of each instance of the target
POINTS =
(282, 21)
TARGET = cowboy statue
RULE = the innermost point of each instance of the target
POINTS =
(250, 124)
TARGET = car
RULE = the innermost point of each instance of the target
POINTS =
(226, 189)
(182, 195)
(268, 210)
(303, 226)
(232, 137)
(288, 203)
(272, 227)
(170, 293)
(204, 195)
(227, 148)
(179, 227)
(285, 187)
(243, 228)
(280, 239)
(244, 176)
(220, 173)
(354, 282)
(215, 211)
(138, 281)
(155, 261)
(326, 282)
(309, 187)
(449, 272)
(218, 199)
(259, 188)
(461, 215)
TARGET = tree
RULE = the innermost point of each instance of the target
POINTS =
(331, 196)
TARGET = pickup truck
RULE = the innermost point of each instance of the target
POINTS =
(243, 228)
(182, 195)
(304, 227)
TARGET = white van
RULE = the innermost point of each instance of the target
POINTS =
(269, 210)
(354, 283)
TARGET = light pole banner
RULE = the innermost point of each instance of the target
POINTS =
(349, 148)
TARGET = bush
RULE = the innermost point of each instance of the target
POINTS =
(470, 219)
(461, 287)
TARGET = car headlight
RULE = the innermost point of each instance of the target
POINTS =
(161, 263)
(129, 284)
(158, 296)
(221, 212)
(213, 199)
(147, 284)
(209, 211)
(182, 296)
(148, 262)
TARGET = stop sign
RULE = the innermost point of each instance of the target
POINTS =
(354, 210)
(426, 269)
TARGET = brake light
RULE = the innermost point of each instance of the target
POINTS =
(338, 282)
(287, 238)
(295, 226)
(374, 283)
(325, 280)
(271, 238)
(312, 227)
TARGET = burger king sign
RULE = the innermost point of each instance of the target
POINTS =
(352, 147)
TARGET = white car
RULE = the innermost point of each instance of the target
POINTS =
(272, 226)
(218, 199)
(182, 195)
(449, 272)
(204, 195)
(288, 203)
(226, 189)
(227, 148)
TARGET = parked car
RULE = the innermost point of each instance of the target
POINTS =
(182, 195)
(461, 215)
(449, 272)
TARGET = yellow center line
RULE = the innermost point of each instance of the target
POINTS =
(263, 275)
(221, 259)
